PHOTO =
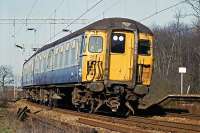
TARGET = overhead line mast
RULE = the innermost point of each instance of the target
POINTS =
(28, 15)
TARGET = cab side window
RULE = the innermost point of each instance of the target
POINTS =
(144, 47)
(83, 44)
(118, 43)
(95, 44)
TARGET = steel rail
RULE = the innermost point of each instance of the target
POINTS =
(92, 121)
(128, 124)
(184, 115)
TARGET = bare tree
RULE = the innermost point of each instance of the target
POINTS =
(6, 76)
(176, 44)
(195, 4)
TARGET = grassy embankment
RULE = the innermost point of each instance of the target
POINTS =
(8, 121)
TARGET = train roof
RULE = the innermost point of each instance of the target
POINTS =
(104, 24)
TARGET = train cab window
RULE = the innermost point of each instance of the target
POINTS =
(83, 43)
(96, 44)
(118, 43)
(144, 47)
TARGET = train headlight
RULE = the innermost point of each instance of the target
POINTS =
(121, 38)
(115, 38)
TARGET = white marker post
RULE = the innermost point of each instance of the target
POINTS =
(182, 70)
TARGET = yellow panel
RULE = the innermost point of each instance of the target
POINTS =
(146, 60)
(121, 63)
(97, 70)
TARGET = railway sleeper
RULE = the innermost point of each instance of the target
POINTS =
(22, 113)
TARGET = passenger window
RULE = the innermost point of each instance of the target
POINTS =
(96, 44)
(61, 59)
(56, 60)
(66, 57)
(73, 56)
(49, 58)
(118, 43)
(144, 47)
(44, 64)
(39, 63)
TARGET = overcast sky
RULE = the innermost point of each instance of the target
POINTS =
(71, 9)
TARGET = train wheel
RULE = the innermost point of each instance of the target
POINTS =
(131, 109)
(89, 108)
(50, 103)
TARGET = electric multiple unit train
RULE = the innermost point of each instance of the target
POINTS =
(105, 65)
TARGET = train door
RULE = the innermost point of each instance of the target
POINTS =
(93, 56)
(121, 56)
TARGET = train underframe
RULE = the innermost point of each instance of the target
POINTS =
(116, 99)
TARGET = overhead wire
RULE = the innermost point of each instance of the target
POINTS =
(53, 12)
(93, 6)
(28, 15)
(165, 9)
(108, 8)
(88, 10)
(32, 7)
(40, 23)
(30, 12)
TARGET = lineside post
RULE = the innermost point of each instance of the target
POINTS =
(181, 83)
(182, 70)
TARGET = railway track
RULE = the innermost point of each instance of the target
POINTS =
(147, 123)
(166, 125)
(131, 124)
(185, 115)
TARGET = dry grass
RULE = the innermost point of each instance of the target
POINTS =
(6, 121)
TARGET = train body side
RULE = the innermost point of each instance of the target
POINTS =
(58, 65)
(72, 62)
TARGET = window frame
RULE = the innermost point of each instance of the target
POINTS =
(149, 42)
(89, 44)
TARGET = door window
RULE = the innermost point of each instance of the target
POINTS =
(118, 43)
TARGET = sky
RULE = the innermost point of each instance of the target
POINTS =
(11, 34)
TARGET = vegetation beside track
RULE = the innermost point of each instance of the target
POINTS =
(8, 124)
